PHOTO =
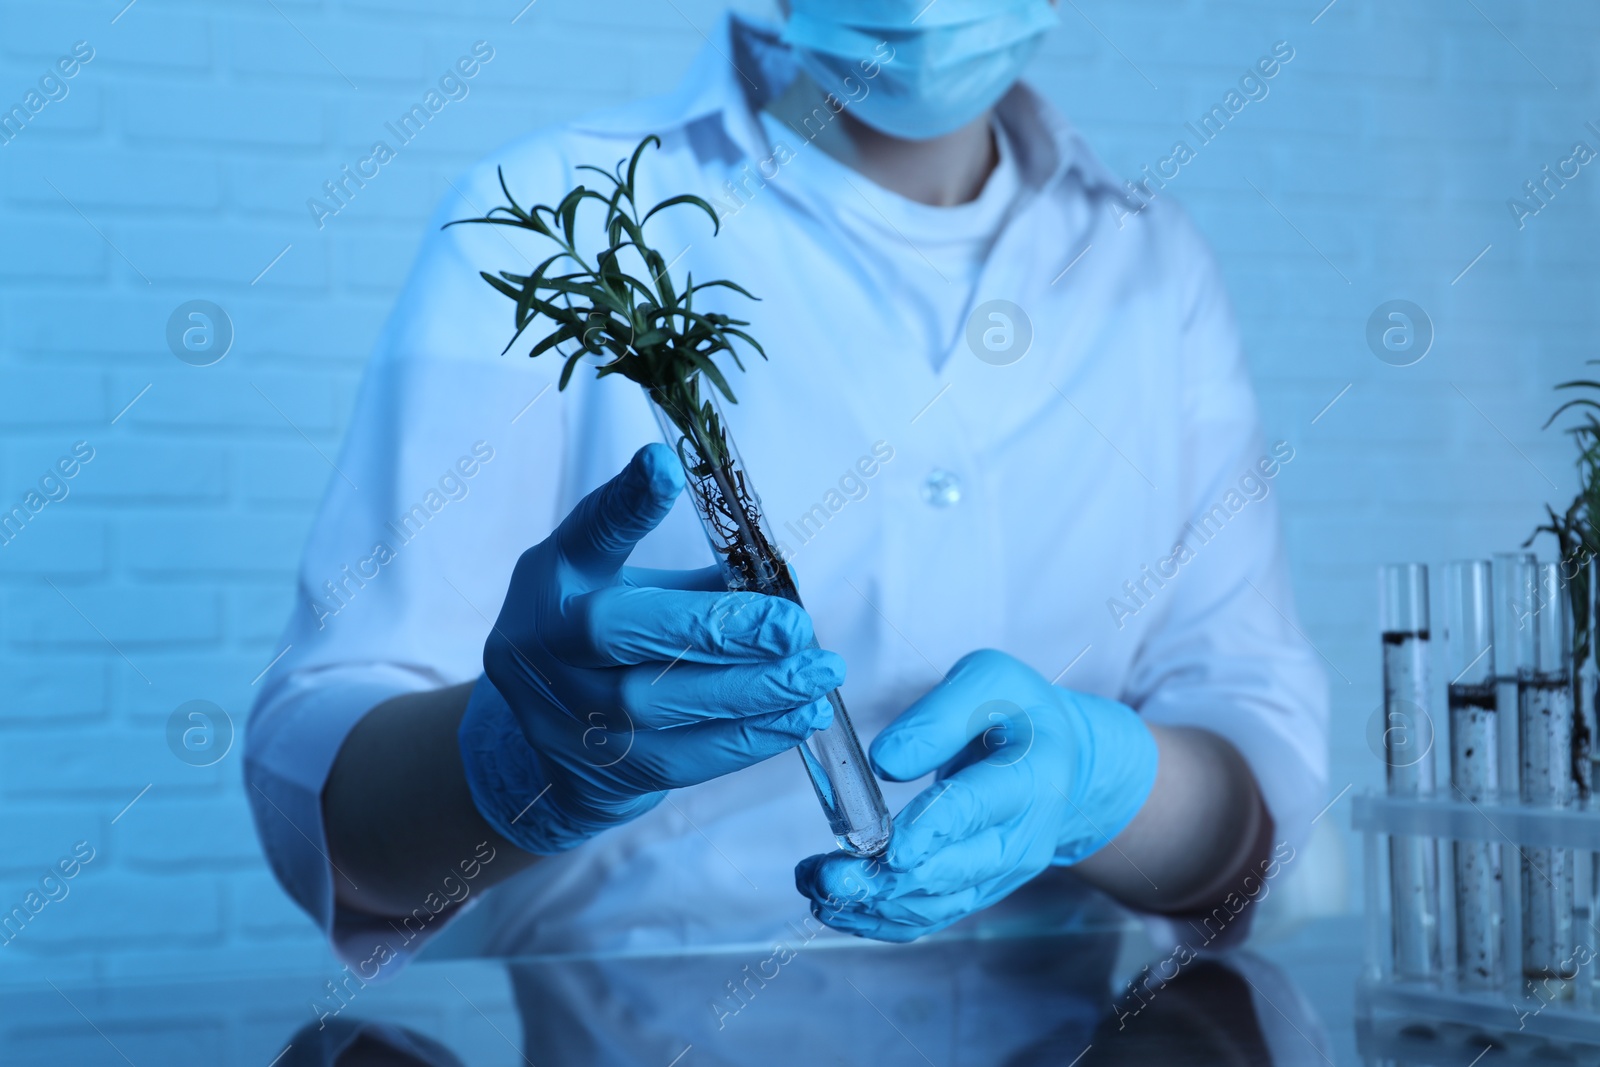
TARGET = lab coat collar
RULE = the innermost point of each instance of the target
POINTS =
(1050, 149)
(744, 63)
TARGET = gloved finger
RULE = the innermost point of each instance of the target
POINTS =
(689, 755)
(865, 924)
(660, 696)
(838, 881)
(624, 701)
(618, 625)
(934, 730)
(968, 862)
(925, 913)
(903, 914)
(852, 895)
(702, 579)
(874, 928)
(974, 799)
(598, 534)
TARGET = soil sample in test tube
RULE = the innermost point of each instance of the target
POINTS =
(1545, 716)
(1474, 767)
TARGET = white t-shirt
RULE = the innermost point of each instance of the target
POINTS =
(931, 256)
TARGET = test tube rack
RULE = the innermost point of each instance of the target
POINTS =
(1514, 1005)
(1391, 1040)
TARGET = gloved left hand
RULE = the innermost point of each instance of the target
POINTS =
(1029, 775)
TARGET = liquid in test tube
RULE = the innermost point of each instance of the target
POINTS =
(1474, 766)
(1545, 724)
(1408, 757)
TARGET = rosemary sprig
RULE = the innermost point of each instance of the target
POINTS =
(1577, 531)
(648, 331)
(646, 328)
(1577, 534)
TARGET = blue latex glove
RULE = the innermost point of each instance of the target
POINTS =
(605, 686)
(1029, 775)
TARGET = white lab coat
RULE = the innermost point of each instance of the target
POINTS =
(1080, 469)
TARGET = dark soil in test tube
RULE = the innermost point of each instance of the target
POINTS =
(1474, 774)
(1582, 751)
(1548, 717)
(1474, 739)
(1545, 724)
(1474, 695)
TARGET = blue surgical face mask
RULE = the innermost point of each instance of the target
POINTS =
(913, 69)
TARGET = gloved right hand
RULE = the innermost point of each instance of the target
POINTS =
(604, 686)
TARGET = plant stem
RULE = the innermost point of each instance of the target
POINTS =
(749, 554)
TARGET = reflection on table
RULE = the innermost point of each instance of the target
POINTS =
(1080, 989)
(1087, 994)
(1020, 1002)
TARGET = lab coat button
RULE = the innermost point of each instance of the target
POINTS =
(941, 489)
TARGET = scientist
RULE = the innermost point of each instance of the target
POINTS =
(1047, 388)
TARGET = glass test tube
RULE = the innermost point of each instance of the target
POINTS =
(1586, 753)
(1474, 766)
(1584, 675)
(1408, 757)
(730, 512)
(1545, 717)
(1587, 685)
(1514, 576)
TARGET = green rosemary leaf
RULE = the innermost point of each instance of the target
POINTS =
(720, 345)
(559, 313)
(720, 283)
(598, 295)
(1569, 405)
(709, 369)
(746, 338)
(568, 213)
(504, 287)
(567, 332)
(511, 201)
(623, 224)
(662, 279)
(686, 198)
(614, 205)
(531, 287)
(633, 164)
(488, 219)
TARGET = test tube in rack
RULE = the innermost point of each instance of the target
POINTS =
(1408, 757)
(1544, 728)
(1474, 766)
